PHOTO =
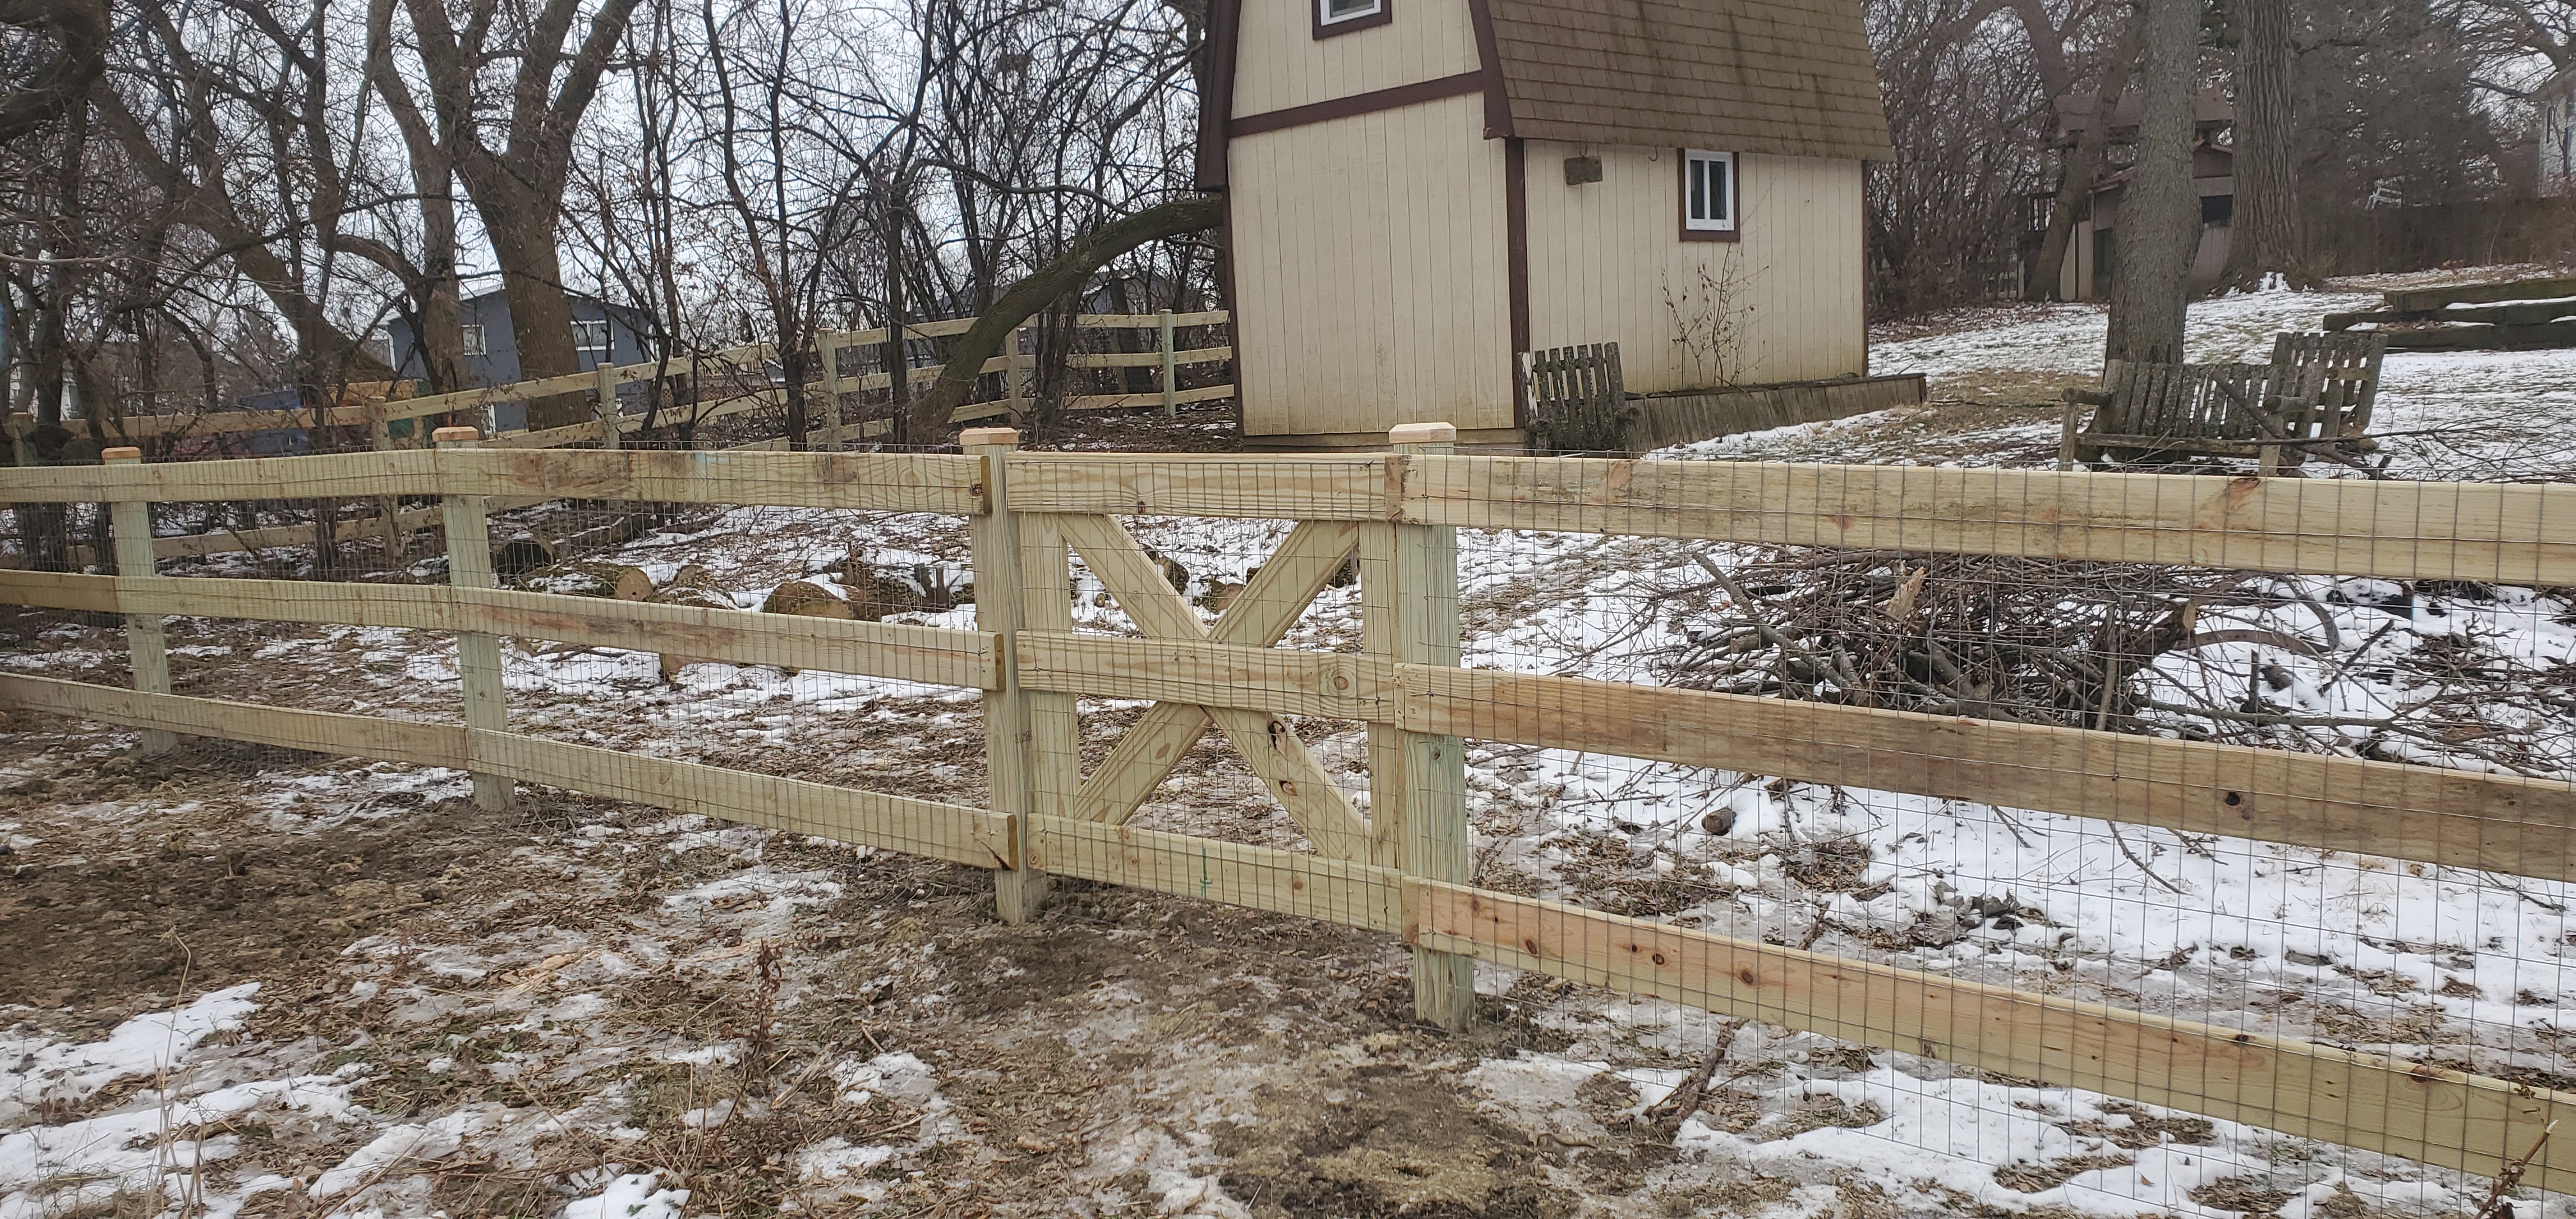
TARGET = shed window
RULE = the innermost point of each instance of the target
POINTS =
(590, 339)
(1334, 16)
(473, 340)
(1708, 192)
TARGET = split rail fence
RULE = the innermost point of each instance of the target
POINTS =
(1402, 866)
(717, 399)
(605, 380)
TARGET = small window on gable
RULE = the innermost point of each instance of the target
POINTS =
(1341, 16)
(590, 340)
(473, 343)
(1708, 192)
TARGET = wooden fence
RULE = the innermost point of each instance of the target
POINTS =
(604, 381)
(1403, 867)
(832, 429)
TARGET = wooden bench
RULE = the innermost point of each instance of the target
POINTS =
(2316, 391)
(1578, 402)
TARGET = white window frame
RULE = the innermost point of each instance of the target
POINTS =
(1693, 174)
(1324, 12)
(581, 329)
(470, 339)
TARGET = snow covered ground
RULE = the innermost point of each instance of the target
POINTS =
(249, 982)
(2443, 415)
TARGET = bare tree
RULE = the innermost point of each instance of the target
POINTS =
(2083, 158)
(517, 185)
(78, 31)
(2160, 211)
(2266, 234)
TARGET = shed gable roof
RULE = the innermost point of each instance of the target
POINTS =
(1792, 77)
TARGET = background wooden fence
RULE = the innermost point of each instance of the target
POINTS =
(1401, 867)
(753, 360)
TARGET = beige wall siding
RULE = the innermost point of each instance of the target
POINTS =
(1370, 284)
(1280, 63)
(1607, 263)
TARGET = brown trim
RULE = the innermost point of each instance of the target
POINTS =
(1216, 92)
(1516, 261)
(1498, 105)
(1315, 12)
(1233, 304)
(1681, 199)
(1357, 104)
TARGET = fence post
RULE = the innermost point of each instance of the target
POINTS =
(999, 608)
(827, 346)
(608, 413)
(1171, 402)
(20, 424)
(478, 654)
(1418, 782)
(129, 524)
(1011, 366)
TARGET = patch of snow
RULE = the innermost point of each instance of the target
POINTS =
(632, 1196)
(40, 1070)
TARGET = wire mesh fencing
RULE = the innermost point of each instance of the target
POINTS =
(2073, 840)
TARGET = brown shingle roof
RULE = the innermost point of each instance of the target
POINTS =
(1777, 76)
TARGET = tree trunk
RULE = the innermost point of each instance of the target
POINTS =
(2082, 166)
(2265, 234)
(898, 366)
(2159, 221)
(1088, 253)
(2083, 162)
(523, 242)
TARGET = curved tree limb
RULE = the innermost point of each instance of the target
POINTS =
(1070, 270)
(79, 30)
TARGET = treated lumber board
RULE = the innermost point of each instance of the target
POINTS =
(1268, 746)
(57, 590)
(2425, 299)
(1115, 321)
(326, 476)
(2542, 337)
(2529, 314)
(199, 545)
(1148, 359)
(903, 652)
(224, 422)
(1261, 878)
(2507, 533)
(361, 736)
(402, 606)
(1418, 776)
(1336, 487)
(2457, 818)
(1151, 397)
(861, 481)
(933, 655)
(1314, 552)
(950, 832)
(2426, 1113)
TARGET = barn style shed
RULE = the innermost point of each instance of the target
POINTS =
(1419, 191)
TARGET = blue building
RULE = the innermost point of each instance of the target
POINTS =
(602, 333)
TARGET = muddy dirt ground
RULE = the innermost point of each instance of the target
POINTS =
(1126, 1053)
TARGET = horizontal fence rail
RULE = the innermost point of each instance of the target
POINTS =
(2524, 534)
(1399, 866)
(752, 359)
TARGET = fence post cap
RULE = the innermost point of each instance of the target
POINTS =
(1422, 433)
(121, 454)
(456, 435)
(975, 437)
